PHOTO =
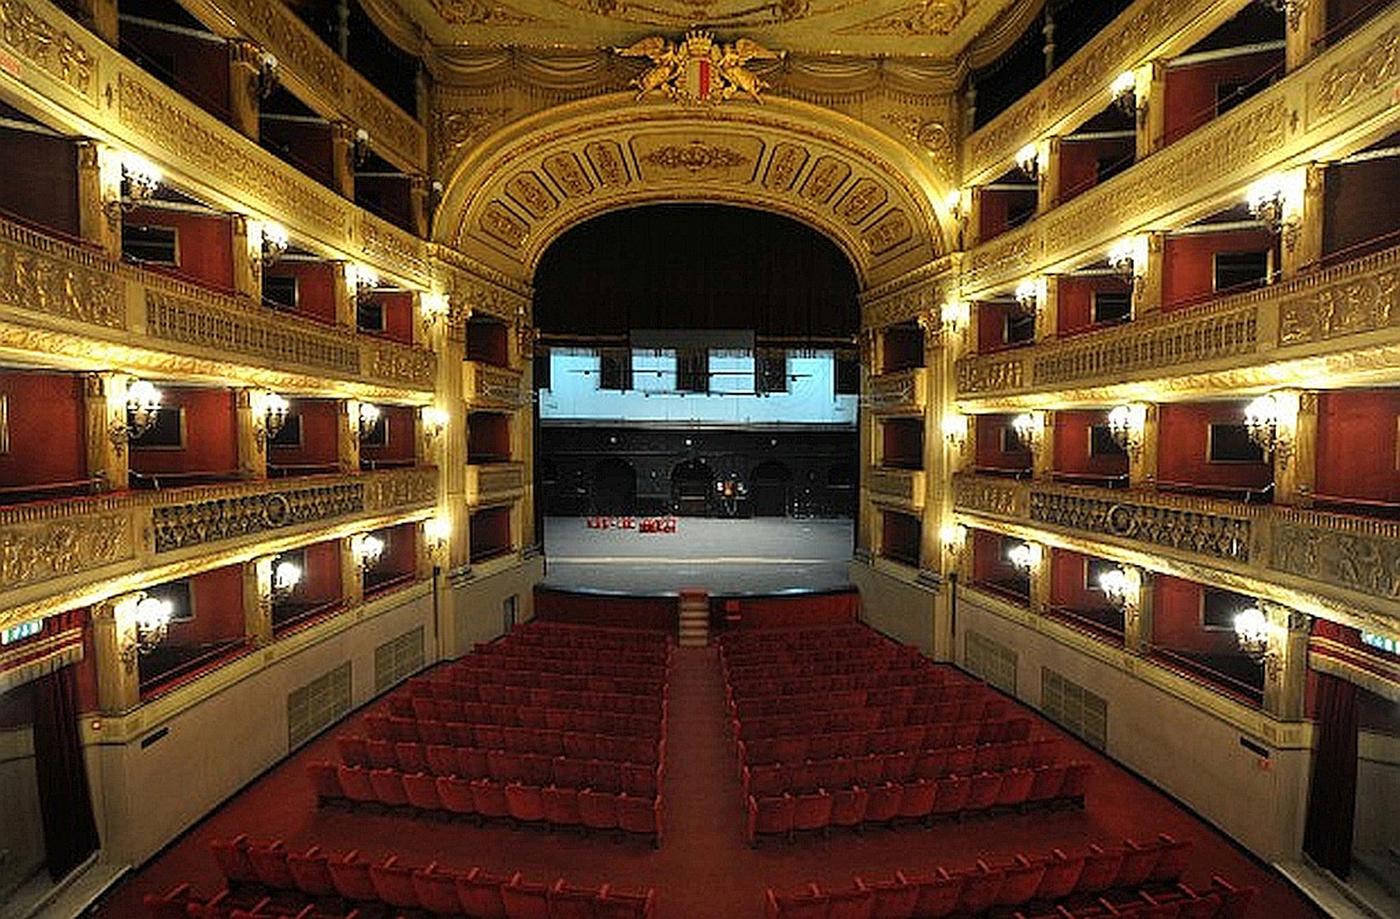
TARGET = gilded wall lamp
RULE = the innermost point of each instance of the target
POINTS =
(1121, 586)
(364, 280)
(269, 415)
(956, 314)
(1028, 160)
(1126, 424)
(437, 531)
(1028, 427)
(1269, 203)
(140, 181)
(274, 243)
(954, 537)
(1024, 556)
(266, 80)
(150, 625)
(1028, 296)
(1263, 419)
(366, 549)
(1252, 632)
(361, 146)
(286, 575)
(369, 418)
(1294, 9)
(955, 426)
(142, 409)
(434, 420)
(1123, 91)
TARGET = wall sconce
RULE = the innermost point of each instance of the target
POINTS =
(955, 428)
(286, 575)
(1126, 424)
(1252, 632)
(363, 279)
(1028, 160)
(1027, 426)
(955, 314)
(954, 538)
(1024, 556)
(434, 305)
(266, 79)
(367, 549)
(1268, 201)
(1027, 296)
(436, 533)
(361, 146)
(1128, 257)
(140, 180)
(1123, 91)
(1294, 9)
(1261, 419)
(1121, 586)
(434, 420)
(269, 415)
(274, 242)
(151, 624)
(954, 203)
(142, 408)
(369, 417)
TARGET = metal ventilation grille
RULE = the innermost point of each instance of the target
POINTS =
(318, 704)
(992, 661)
(397, 659)
(1075, 708)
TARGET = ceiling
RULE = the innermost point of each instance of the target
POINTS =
(899, 28)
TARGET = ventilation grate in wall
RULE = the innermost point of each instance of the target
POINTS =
(1075, 708)
(991, 660)
(398, 659)
(317, 704)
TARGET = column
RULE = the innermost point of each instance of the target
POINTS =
(972, 232)
(1043, 446)
(1147, 285)
(104, 403)
(418, 205)
(1302, 245)
(343, 289)
(523, 438)
(247, 257)
(114, 652)
(1307, 24)
(1285, 662)
(1151, 108)
(99, 195)
(1040, 580)
(423, 556)
(1137, 610)
(930, 531)
(352, 579)
(1142, 446)
(1295, 457)
(1047, 309)
(245, 61)
(347, 424)
(257, 599)
(101, 17)
(870, 349)
(1049, 175)
(343, 159)
(250, 419)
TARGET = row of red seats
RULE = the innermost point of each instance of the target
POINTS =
(295, 879)
(463, 671)
(798, 633)
(871, 679)
(909, 739)
(487, 799)
(501, 765)
(790, 703)
(574, 650)
(771, 666)
(986, 708)
(495, 694)
(920, 799)
(578, 744)
(1132, 878)
(844, 771)
(599, 635)
(591, 666)
(558, 719)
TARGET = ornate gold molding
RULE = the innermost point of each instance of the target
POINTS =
(485, 386)
(56, 48)
(1353, 553)
(901, 487)
(44, 275)
(905, 392)
(494, 483)
(1353, 298)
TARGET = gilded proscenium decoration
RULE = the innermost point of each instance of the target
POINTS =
(495, 483)
(891, 393)
(43, 275)
(695, 157)
(698, 70)
(928, 17)
(898, 486)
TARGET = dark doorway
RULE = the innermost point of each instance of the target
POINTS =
(614, 487)
(772, 484)
(691, 484)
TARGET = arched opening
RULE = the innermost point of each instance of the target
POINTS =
(614, 487)
(692, 482)
(772, 481)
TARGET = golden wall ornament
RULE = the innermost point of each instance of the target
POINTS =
(495, 483)
(51, 49)
(696, 157)
(201, 518)
(903, 487)
(1351, 553)
(929, 133)
(928, 17)
(399, 363)
(1355, 297)
(1371, 70)
(981, 494)
(457, 129)
(479, 12)
(890, 393)
(43, 549)
(401, 489)
(1215, 534)
(44, 275)
(698, 70)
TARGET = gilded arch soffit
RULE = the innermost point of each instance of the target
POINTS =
(525, 185)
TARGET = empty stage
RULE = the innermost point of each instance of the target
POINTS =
(760, 555)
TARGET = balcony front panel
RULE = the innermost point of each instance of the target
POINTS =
(905, 392)
(324, 79)
(902, 488)
(1333, 103)
(490, 387)
(1349, 565)
(90, 89)
(1342, 322)
(61, 553)
(1146, 30)
(495, 483)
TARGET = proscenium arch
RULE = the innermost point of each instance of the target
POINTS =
(526, 184)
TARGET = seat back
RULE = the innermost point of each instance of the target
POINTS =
(310, 873)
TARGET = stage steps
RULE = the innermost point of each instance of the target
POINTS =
(695, 619)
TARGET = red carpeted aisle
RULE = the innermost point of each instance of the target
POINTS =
(704, 869)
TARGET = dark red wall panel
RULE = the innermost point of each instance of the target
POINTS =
(1357, 454)
(1189, 275)
(1183, 432)
(211, 438)
(46, 428)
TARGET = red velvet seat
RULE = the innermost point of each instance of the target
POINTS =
(1076, 782)
(604, 776)
(916, 801)
(598, 809)
(382, 755)
(388, 787)
(489, 798)
(868, 770)
(310, 874)
(1019, 882)
(232, 858)
(951, 797)
(1015, 787)
(504, 766)
(811, 811)
(1100, 870)
(1172, 861)
(939, 893)
(480, 893)
(411, 757)
(848, 806)
(525, 803)
(355, 783)
(269, 861)
(441, 759)
(1047, 784)
(525, 899)
(353, 749)
(884, 802)
(962, 760)
(854, 902)
(1138, 863)
(324, 780)
(570, 773)
(421, 791)
(639, 779)
(979, 890)
(1061, 876)
(567, 901)
(891, 899)
(805, 903)
(394, 883)
(1234, 901)
(769, 815)
(619, 903)
(351, 877)
(537, 769)
(437, 891)
(640, 815)
(456, 794)
(931, 764)
(899, 767)
(983, 791)
(561, 806)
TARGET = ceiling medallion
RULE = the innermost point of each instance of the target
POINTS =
(697, 156)
(698, 71)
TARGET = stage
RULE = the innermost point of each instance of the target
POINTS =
(762, 555)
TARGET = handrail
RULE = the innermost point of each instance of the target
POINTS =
(288, 470)
(1019, 473)
(1101, 479)
(1243, 493)
(153, 480)
(1081, 621)
(1198, 672)
(40, 488)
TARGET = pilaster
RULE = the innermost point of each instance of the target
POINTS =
(99, 195)
(1151, 108)
(343, 159)
(115, 653)
(1143, 446)
(104, 404)
(1147, 286)
(244, 86)
(972, 235)
(1137, 610)
(347, 436)
(247, 257)
(1043, 446)
(250, 420)
(1040, 580)
(1049, 174)
(1295, 459)
(352, 577)
(931, 524)
(343, 289)
(1305, 252)
(1285, 662)
(418, 205)
(1307, 26)
(257, 599)
(1047, 309)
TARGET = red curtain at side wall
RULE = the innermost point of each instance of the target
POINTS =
(1332, 797)
(70, 834)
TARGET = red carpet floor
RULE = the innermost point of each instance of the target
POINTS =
(704, 869)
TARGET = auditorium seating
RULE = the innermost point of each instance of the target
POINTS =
(838, 726)
(266, 879)
(586, 756)
(1137, 880)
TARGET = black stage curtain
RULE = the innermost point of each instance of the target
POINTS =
(1332, 797)
(70, 833)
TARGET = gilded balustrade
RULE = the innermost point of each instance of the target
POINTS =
(1348, 563)
(897, 393)
(900, 487)
(58, 554)
(494, 483)
(50, 287)
(1337, 316)
(1315, 112)
(487, 386)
